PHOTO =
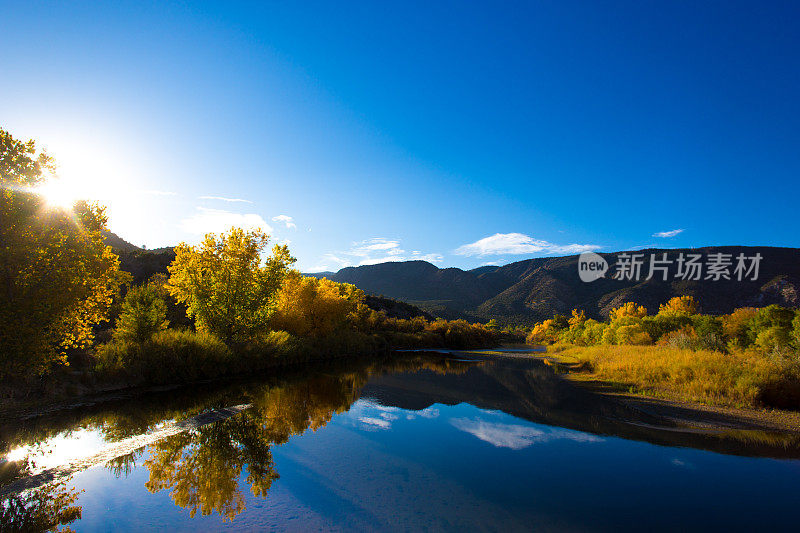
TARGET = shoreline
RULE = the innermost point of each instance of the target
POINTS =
(683, 412)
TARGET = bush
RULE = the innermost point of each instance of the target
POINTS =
(168, 356)
(633, 335)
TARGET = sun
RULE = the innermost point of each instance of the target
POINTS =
(58, 193)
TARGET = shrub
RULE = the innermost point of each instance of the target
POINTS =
(774, 340)
(633, 335)
(168, 356)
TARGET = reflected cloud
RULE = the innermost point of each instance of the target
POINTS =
(428, 412)
(372, 422)
(516, 436)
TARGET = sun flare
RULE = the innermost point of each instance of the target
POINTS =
(57, 193)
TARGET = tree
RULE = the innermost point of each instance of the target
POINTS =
(628, 310)
(577, 319)
(144, 313)
(226, 285)
(678, 306)
(314, 307)
(57, 276)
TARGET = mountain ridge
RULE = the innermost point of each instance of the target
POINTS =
(533, 289)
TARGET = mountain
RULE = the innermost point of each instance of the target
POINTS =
(534, 289)
(140, 262)
(117, 243)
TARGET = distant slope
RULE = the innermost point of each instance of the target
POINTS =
(141, 263)
(534, 289)
(117, 243)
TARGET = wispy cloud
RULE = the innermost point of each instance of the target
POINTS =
(516, 436)
(207, 220)
(667, 234)
(519, 244)
(224, 199)
(372, 252)
(285, 220)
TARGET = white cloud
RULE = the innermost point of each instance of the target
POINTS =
(285, 220)
(519, 244)
(223, 199)
(667, 234)
(516, 436)
(372, 252)
(216, 220)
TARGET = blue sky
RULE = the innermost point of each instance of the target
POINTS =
(461, 133)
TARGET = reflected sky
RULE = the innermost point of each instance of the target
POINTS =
(399, 447)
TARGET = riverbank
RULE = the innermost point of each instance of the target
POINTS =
(705, 389)
(175, 358)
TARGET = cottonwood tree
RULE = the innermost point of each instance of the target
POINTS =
(308, 306)
(226, 285)
(57, 276)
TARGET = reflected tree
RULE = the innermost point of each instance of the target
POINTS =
(43, 509)
(202, 467)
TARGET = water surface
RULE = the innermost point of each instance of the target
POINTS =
(417, 442)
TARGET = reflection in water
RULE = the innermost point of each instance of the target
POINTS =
(43, 509)
(516, 436)
(515, 407)
(201, 468)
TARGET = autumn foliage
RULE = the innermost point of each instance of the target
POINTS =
(57, 277)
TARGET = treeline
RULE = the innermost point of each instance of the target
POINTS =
(771, 330)
(225, 306)
(748, 358)
(243, 313)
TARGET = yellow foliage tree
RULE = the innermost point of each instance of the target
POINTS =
(308, 306)
(628, 310)
(577, 319)
(226, 285)
(678, 306)
(57, 276)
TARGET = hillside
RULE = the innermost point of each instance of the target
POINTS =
(534, 289)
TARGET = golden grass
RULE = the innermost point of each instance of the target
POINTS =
(740, 379)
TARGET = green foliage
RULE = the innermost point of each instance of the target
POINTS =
(632, 334)
(144, 313)
(773, 329)
(168, 356)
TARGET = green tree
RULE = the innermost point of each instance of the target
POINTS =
(226, 285)
(57, 276)
(144, 313)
